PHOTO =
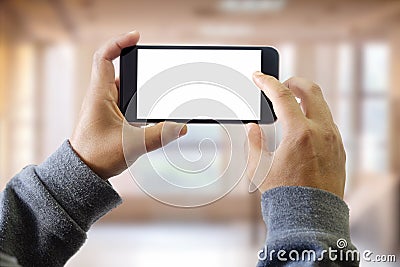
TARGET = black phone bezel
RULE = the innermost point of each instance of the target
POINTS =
(128, 80)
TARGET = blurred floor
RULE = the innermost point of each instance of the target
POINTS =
(195, 245)
(167, 245)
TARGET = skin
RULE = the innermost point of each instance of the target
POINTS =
(97, 137)
(311, 153)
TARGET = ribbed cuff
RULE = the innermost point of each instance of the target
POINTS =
(80, 191)
(293, 209)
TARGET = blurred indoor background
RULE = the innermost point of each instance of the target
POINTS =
(351, 48)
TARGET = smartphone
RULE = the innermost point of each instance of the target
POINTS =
(195, 84)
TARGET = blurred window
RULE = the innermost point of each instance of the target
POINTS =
(287, 56)
(346, 109)
(165, 163)
(374, 107)
(376, 67)
(363, 106)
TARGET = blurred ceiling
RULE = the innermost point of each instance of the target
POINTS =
(202, 21)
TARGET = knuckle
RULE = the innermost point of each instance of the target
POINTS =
(306, 142)
(283, 93)
(315, 89)
(97, 55)
(330, 136)
(269, 79)
(298, 82)
(339, 140)
(305, 136)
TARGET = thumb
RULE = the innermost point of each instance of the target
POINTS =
(138, 141)
(162, 133)
(258, 157)
(255, 138)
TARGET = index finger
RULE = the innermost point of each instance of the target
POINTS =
(112, 49)
(103, 69)
(312, 99)
(285, 105)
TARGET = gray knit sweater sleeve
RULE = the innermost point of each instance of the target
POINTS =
(46, 210)
(306, 227)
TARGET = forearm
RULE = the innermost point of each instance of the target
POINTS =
(303, 229)
(47, 209)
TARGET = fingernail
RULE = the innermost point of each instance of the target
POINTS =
(134, 32)
(174, 128)
(248, 126)
(183, 130)
(258, 74)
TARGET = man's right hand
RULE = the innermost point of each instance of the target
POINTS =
(311, 153)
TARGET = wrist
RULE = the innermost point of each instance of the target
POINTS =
(294, 209)
(80, 191)
(85, 157)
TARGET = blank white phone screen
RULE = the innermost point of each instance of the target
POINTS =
(151, 62)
